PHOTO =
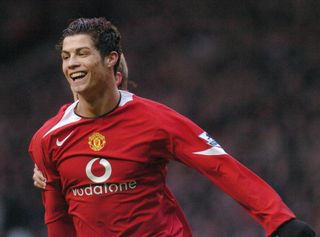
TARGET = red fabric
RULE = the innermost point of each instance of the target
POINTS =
(111, 171)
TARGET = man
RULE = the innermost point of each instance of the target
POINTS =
(105, 155)
(122, 83)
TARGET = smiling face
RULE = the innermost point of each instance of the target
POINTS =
(84, 68)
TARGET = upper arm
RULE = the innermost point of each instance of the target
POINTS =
(192, 146)
(59, 223)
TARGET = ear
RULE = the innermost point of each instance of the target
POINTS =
(111, 59)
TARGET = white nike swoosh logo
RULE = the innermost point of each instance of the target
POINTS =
(60, 143)
(211, 151)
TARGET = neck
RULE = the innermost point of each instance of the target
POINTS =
(98, 105)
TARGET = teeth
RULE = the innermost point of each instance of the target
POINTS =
(77, 75)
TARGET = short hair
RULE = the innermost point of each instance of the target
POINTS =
(105, 36)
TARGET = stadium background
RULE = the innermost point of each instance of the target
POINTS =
(246, 71)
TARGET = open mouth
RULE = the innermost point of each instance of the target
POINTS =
(77, 75)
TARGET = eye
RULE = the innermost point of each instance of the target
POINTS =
(83, 53)
(64, 56)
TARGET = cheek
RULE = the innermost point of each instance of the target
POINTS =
(64, 70)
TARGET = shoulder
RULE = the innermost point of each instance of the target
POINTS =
(140, 102)
(49, 123)
(161, 114)
(150, 107)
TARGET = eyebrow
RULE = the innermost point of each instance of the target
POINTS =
(77, 49)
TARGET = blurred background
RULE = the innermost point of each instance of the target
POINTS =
(245, 71)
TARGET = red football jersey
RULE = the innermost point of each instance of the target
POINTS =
(109, 173)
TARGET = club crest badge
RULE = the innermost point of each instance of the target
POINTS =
(97, 141)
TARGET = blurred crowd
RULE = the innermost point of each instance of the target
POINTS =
(245, 71)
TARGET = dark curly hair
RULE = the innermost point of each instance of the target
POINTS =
(105, 36)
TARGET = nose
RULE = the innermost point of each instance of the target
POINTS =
(73, 62)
